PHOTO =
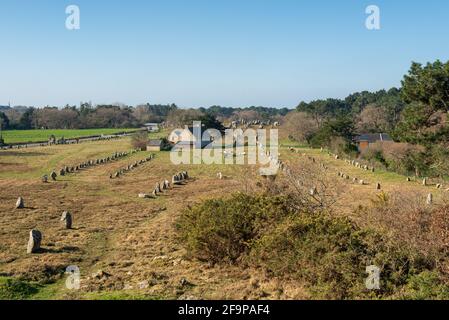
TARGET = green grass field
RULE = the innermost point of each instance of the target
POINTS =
(23, 136)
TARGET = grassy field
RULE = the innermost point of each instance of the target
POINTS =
(23, 136)
(132, 240)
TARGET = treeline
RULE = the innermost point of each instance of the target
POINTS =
(87, 116)
(415, 116)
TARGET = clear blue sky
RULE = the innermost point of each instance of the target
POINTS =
(206, 52)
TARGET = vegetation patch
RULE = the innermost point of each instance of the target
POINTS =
(329, 253)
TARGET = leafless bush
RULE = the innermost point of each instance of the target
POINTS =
(139, 140)
(404, 218)
(309, 187)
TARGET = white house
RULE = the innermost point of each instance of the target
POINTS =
(152, 127)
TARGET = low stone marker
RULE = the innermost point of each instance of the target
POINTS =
(20, 204)
(45, 179)
(67, 219)
(34, 242)
(424, 182)
(53, 175)
(378, 186)
(429, 200)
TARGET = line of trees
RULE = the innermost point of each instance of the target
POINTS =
(121, 116)
(415, 116)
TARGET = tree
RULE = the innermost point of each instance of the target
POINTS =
(139, 140)
(428, 85)
(4, 121)
(299, 126)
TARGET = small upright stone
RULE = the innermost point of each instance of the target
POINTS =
(20, 204)
(62, 172)
(378, 186)
(34, 243)
(67, 219)
(424, 182)
(429, 199)
(53, 175)
(45, 179)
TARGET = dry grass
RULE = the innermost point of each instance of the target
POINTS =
(134, 240)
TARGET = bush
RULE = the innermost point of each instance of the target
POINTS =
(222, 230)
(14, 289)
(329, 253)
(139, 140)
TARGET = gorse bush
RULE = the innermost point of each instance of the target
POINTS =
(329, 253)
(15, 289)
(222, 230)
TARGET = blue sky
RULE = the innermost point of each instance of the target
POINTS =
(211, 52)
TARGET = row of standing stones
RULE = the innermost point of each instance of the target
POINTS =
(378, 186)
(429, 199)
(131, 167)
(178, 179)
(35, 238)
(87, 164)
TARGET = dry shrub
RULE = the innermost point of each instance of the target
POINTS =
(406, 220)
(139, 140)
(300, 180)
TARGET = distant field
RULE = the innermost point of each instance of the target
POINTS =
(22, 136)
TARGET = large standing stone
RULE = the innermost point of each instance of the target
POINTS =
(20, 204)
(67, 219)
(34, 243)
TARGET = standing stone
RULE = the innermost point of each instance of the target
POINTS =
(424, 182)
(313, 191)
(408, 179)
(20, 204)
(362, 182)
(45, 179)
(155, 193)
(67, 219)
(53, 175)
(62, 172)
(34, 243)
(158, 188)
(163, 185)
(220, 176)
(378, 187)
(429, 199)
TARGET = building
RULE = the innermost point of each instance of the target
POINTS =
(152, 127)
(182, 135)
(365, 140)
(154, 145)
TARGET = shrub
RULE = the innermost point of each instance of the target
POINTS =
(330, 254)
(139, 140)
(222, 230)
(14, 289)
